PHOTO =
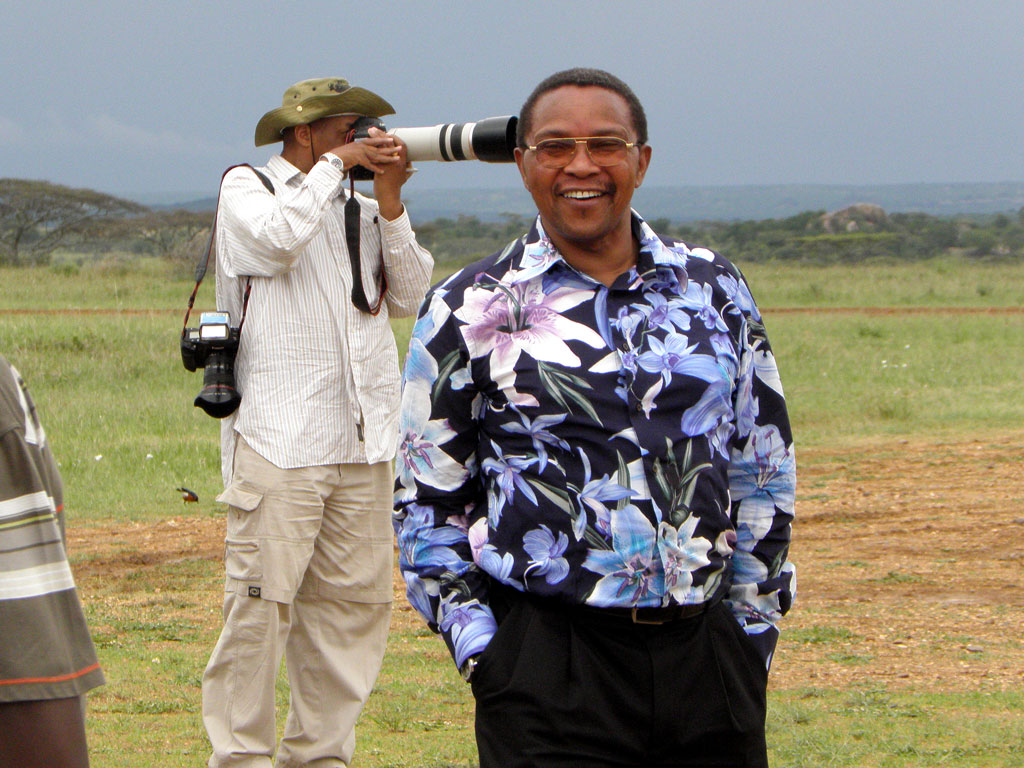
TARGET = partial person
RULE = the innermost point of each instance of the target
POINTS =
(47, 659)
(596, 478)
(307, 457)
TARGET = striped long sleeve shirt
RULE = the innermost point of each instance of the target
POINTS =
(319, 378)
(45, 648)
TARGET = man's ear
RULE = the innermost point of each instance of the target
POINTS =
(520, 155)
(302, 135)
(644, 162)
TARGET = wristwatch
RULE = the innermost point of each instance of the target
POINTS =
(466, 670)
(334, 160)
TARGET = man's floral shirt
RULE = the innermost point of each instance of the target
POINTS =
(623, 446)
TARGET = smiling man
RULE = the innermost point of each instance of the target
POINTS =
(596, 478)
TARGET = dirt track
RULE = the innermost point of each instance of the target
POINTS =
(1008, 310)
(909, 555)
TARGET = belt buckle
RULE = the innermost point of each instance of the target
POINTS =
(637, 620)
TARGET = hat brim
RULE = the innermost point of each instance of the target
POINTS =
(358, 101)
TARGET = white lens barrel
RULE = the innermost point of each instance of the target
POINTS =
(491, 140)
(431, 143)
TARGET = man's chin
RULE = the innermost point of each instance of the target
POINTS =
(587, 235)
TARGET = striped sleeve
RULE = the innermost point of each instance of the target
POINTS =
(45, 648)
(32, 557)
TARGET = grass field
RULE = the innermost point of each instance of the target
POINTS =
(905, 645)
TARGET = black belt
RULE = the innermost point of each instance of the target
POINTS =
(502, 598)
(660, 615)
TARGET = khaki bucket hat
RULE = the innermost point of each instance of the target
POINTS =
(310, 100)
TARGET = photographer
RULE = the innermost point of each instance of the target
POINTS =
(307, 457)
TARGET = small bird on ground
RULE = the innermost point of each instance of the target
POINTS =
(187, 495)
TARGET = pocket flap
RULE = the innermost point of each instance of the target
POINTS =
(242, 497)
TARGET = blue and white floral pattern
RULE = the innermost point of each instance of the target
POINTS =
(610, 446)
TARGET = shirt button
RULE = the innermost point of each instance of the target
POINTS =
(639, 407)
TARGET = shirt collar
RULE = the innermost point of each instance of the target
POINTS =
(540, 254)
(282, 169)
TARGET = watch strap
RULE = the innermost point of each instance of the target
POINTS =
(336, 161)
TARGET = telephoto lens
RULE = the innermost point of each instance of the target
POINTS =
(218, 397)
(492, 140)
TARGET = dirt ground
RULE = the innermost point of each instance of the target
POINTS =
(909, 554)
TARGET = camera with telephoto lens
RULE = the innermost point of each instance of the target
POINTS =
(213, 346)
(492, 140)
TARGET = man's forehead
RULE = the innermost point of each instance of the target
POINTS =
(559, 131)
(601, 112)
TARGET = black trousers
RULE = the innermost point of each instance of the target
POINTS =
(560, 687)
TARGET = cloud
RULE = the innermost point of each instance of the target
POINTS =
(137, 140)
(11, 134)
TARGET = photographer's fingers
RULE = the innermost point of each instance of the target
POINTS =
(380, 150)
(382, 142)
(373, 153)
(379, 160)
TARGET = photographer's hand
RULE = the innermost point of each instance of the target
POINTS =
(377, 152)
(387, 184)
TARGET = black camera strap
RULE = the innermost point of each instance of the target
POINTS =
(204, 259)
(352, 222)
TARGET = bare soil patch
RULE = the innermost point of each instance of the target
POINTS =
(909, 554)
(910, 562)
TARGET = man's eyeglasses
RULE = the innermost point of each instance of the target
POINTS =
(603, 150)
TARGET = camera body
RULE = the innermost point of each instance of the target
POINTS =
(360, 129)
(213, 347)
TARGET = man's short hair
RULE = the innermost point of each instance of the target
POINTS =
(582, 77)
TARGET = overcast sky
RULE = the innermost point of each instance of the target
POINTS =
(145, 99)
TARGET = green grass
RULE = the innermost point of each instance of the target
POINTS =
(154, 630)
(112, 386)
(117, 405)
(113, 282)
(872, 728)
(849, 377)
(939, 282)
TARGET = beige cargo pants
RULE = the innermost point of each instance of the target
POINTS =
(308, 557)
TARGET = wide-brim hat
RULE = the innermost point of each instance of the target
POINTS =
(310, 100)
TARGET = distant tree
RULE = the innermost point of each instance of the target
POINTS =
(165, 233)
(660, 225)
(980, 242)
(513, 225)
(36, 217)
(807, 221)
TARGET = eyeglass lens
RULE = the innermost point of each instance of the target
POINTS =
(603, 150)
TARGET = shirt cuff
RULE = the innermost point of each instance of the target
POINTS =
(397, 231)
(325, 179)
(472, 637)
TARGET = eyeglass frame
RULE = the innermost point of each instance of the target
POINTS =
(584, 140)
